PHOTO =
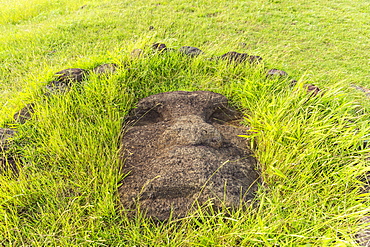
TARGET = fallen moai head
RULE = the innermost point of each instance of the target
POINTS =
(180, 147)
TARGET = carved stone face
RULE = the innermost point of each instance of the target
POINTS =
(180, 147)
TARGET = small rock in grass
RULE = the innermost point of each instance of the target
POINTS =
(255, 59)
(5, 135)
(273, 73)
(24, 114)
(56, 87)
(191, 51)
(159, 47)
(107, 68)
(363, 237)
(233, 56)
(312, 89)
(6, 161)
(293, 83)
(71, 75)
(151, 28)
(237, 57)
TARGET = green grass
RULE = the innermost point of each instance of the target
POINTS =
(308, 147)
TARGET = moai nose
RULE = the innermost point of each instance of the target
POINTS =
(192, 130)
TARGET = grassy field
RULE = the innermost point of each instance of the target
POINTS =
(309, 148)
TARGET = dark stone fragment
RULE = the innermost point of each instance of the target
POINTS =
(107, 68)
(5, 135)
(151, 28)
(159, 47)
(191, 51)
(56, 87)
(180, 147)
(237, 57)
(312, 89)
(363, 237)
(233, 56)
(24, 114)
(293, 83)
(71, 75)
(255, 59)
(7, 161)
(273, 73)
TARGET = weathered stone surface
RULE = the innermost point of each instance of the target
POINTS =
(5, 140)
(237, 57)
(107, 68)
(181, 147)
(276, 73)
(7, 163)
(24, 114)
(363, 237)
(56, 87)
(191, 51)
(255, 59)
(5, 135)
(234, 56)
(293, 82)
(312, 89)
(159, 47)
(66, 77)
(71, 75)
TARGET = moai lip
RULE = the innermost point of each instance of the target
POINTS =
(180, 147)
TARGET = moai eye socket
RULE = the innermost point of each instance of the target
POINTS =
(222, 114)
(150, 117)
(145, 116)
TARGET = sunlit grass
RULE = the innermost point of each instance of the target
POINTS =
(14, 12)
(307, 147)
